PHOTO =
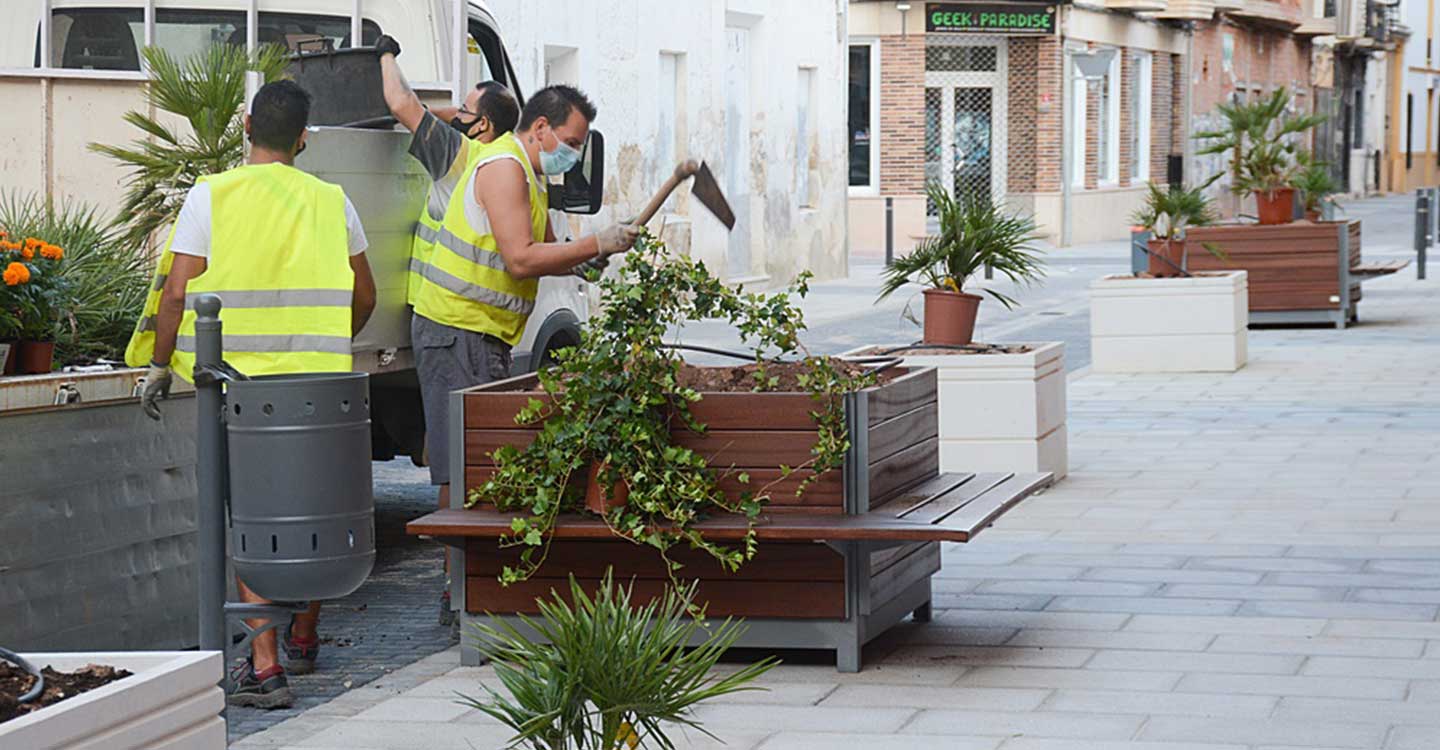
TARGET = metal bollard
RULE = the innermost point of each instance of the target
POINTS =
(210, 476)
(1422, 230)
(889, 230)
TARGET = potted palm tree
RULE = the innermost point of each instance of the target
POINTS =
(975, 233)
(1258, 136)
(1316, 184)
(1167, 213)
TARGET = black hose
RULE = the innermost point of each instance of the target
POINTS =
(19, 661)
(712, 350)
(950, 347)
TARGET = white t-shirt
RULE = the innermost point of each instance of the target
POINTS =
(192, 228)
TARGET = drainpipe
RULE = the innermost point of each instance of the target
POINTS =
(1187, 107)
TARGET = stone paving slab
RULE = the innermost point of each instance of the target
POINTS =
(1237, 562)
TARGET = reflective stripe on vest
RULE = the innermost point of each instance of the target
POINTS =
(280, 264)
(427, 228)
(464, 283)
(141, 349)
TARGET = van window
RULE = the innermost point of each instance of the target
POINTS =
(486, 59)
(111, 38)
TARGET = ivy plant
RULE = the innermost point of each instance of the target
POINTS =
(613, 401)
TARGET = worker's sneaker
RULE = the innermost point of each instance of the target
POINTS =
(264, 689)
(300, 653)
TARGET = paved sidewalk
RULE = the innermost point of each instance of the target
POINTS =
(1236, 562)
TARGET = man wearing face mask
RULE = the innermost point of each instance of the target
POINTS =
(493, 241)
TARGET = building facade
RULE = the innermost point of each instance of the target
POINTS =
(1061, 111)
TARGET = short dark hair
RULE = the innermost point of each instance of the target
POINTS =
(555, 103)
(498, 104)
(278, 115)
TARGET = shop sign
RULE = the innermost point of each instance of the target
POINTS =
(991, 18)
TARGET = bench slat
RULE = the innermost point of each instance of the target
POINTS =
(908, 499)
(941, 507)
(1378, 268)
(983, 510)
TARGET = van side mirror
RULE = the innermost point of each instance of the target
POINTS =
(584, 188)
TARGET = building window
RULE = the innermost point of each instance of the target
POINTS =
(806, 130)
(669, 130)
(111, 39)
(864, 69)
(1080, 112)
(1108, 156)
(1140, 95)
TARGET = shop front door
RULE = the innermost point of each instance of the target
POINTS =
(965, 120)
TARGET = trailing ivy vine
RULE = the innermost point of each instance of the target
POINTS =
(613, 400)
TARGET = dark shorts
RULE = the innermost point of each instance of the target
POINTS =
(450, 359)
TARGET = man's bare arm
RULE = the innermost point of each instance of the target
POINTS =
(362, 302)
(399, 97)
(172, 304)
(501, 189)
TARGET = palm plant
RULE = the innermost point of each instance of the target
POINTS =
(206, 91)
(1315, 181)
(1258, 138)
(974, 233)
(1167, 214)
(105, 277)
(605, 674)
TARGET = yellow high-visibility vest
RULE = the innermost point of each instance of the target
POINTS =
(279, 261)
(428, 228)
(464, 284)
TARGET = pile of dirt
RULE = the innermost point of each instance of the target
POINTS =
(741, 379)
(15, 682)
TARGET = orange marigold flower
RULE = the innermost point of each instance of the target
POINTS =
(52, 252)
(31, 243)
(28, 253)
(15, 274)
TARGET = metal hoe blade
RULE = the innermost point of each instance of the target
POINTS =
(707, 191)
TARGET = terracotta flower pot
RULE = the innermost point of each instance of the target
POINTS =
(36, 357)
(950, 317)
(9, 356)
(1173, 251)
(1275, 207)
(599, 498)
(1312, 216)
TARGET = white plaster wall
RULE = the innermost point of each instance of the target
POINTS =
(617, 46)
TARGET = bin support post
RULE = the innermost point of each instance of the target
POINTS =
(1422, 233)
(210, 476)
(889, 230)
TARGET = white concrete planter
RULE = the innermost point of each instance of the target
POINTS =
(1001, 412)
(1194, 324)
(172, 701)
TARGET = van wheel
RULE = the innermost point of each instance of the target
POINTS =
(556, 343)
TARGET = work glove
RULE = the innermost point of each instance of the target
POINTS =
(617, 238)
(157, 387)
(387, 43)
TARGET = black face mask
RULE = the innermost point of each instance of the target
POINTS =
(455, 122)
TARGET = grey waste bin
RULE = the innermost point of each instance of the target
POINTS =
(301, 509)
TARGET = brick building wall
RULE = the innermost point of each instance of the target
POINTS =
(1035, 115)
(902, 115)
(1166, 109)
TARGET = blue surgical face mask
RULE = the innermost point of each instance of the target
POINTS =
(559, 161)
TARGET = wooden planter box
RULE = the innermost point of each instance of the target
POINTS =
(1302, 272)
(1180, 324)
(835, 568)
(172, 701)
(999, 412)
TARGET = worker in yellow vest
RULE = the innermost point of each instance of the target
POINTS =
(285, 252)
(475, 291)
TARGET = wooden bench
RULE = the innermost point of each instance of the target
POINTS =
(1302, 272)
(831, 574)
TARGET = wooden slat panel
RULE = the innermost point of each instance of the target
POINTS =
(902, 394)
(975, 516)
(450, 525)
(590, 559)
(756, 411)
(907, 468)
(900, 432)
(825, 495)
(780, 599)
(919, 565)
(937, 508)
(904, 501)
(721, 448)
(884, 558)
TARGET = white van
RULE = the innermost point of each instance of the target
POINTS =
(92, 59)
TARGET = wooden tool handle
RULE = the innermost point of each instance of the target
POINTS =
(683, 171)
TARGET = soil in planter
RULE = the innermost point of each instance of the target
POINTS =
(14, 682)
(741, 379)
